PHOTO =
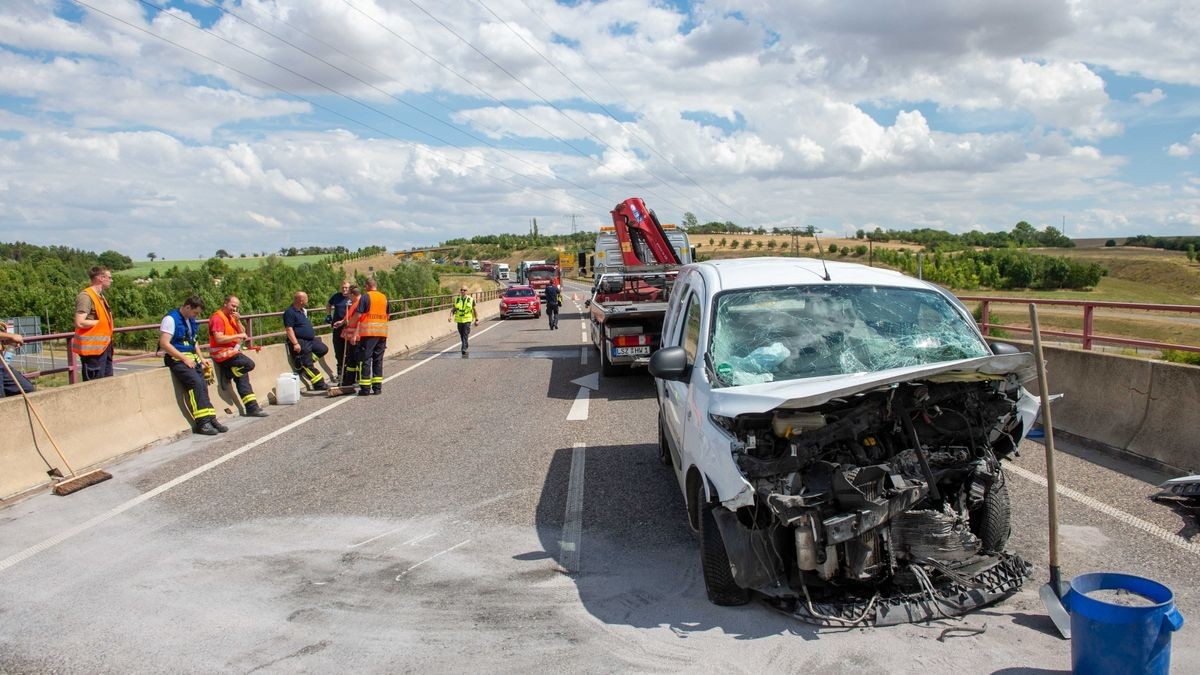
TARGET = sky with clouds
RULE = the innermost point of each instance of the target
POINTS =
(186, 126)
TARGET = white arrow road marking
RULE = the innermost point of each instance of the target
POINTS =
(579, 409)
(572, 534)
(590, 381)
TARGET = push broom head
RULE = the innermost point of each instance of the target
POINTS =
(77, 483)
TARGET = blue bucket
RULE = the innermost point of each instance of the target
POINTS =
(1112, 638)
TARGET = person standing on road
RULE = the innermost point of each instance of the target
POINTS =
(225, 337)
(335, 311)
(94, 326)
(303, 341)
(177, 337)
(553, 301)
(463, 314)
(372, 332)
(12, 386)
(349, 334)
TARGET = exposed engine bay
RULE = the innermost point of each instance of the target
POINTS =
(883, 507)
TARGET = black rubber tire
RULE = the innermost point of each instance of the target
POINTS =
(664, 450)
(992, 521)
(714, 562)
(606, 365)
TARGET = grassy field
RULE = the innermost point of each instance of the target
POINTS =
(143, 267)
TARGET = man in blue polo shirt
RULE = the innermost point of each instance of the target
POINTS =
(304, 343)
(335, 311)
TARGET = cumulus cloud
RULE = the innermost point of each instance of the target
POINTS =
(1151, 97)
(1184, 150)
(949, 114)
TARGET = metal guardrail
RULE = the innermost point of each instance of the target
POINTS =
(1088, 336)
(397, 309)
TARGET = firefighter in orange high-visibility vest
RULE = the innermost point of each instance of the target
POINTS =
(94, 326)
(371, 333)
(225, 336)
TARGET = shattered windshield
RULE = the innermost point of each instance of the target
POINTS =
(791, 333)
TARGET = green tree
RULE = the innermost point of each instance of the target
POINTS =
(152, 255)
(771, 245)
(734, 243)
(115, 261)
(747, 244)
(759, 244)
(1110, 243)
(1024, 234)
(1191, 252)
(222, 253)
(722, 242)
(689, 221)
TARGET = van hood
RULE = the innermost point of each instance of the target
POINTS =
(815, 391)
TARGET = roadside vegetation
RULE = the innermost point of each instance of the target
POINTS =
(1022, 263)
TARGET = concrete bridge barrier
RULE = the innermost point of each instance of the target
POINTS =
(99, 421)
(1136, 407)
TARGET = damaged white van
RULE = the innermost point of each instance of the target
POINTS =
(837, 432)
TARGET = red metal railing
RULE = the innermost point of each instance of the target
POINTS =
(1088, 336)
(397, 309)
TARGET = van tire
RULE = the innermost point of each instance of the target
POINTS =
(714, 562)
(992, 521)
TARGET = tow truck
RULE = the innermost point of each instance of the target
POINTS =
(629, 299)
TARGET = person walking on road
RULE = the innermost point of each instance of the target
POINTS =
(304, 343)
(553, 301)
(463, 314)
(177, 337)
(94, 326)
(335, 311)
(372, 332)
(225, 337)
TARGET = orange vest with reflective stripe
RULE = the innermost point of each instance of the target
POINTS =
(375, 322)
(228, 350)
(93, 341)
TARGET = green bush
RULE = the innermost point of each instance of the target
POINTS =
(1176, 356)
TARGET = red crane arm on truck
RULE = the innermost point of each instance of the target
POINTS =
(639, 231)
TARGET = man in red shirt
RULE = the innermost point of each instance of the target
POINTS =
(225, 337)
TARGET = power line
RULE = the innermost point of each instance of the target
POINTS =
(538, 95)
(287, 92)
(385, 93)
(647, 144)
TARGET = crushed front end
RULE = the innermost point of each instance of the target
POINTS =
(881, 507)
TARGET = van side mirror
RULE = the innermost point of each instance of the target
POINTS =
(999, 348)
(670, 363)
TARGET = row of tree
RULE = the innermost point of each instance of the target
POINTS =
(41, 283)
(1023, 235)
(999, 269)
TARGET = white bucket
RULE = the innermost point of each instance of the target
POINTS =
(287, 389)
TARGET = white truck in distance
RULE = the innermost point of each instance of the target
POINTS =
(627, 312)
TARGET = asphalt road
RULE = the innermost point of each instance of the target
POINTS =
(484, 515)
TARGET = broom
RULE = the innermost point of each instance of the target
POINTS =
(76, 482)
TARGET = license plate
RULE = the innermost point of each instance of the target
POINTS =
(631, 351)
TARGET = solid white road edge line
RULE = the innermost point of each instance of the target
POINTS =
(571, 543)
(1097, 505)
(579, 408)
(122, 508)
